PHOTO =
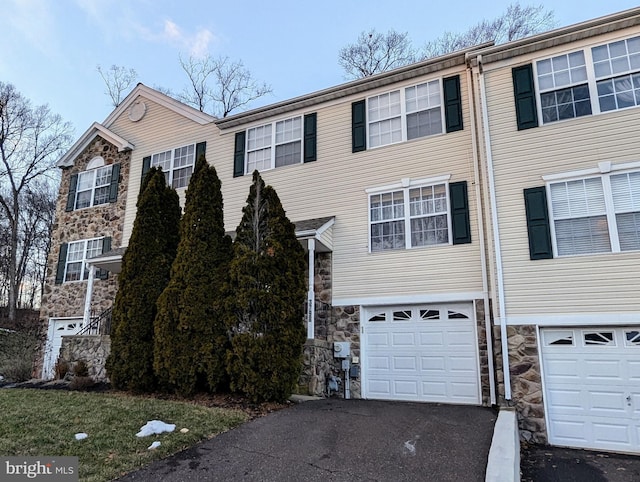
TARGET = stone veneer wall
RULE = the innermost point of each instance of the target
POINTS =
(67, 299)
(91, 349)
(483, 353)
(526, 380)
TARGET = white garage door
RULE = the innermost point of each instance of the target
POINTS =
(592, 387)
(421, 353)
(57, 329)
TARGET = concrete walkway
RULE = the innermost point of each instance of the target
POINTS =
(342, 440)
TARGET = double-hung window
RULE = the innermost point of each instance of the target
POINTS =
(177, 164)
(76, 267)
(409, 217)
(405, 114)
(579, 83)
(598, 214)
(274, 145)
(93, 187)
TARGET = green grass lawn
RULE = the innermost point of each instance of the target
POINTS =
(44, 422)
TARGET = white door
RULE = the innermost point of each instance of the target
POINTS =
(57, 329)
(592, 387)
(425, 353)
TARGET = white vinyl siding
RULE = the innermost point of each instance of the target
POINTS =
(76, 268)
(274, 145)
(405, 114)
(93, 187)
(590, 215)
(177, 165)
(569, 285)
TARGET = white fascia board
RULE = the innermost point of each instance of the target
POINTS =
(170, 103)
(325, 226)
(95, 129)
(575, 319)
(407, 299)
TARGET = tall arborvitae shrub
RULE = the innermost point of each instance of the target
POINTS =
(190, 332)
(265, 299)
(146, 265)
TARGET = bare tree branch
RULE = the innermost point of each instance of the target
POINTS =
(375, 52)
(219, 86)
(118, 81)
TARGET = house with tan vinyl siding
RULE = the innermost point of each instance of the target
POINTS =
(561, 116)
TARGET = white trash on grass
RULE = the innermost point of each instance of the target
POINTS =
(155, 427)
(81, 436)
(154, 445)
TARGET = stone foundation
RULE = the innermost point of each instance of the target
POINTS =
(483, 353)
(526, 380)
(91, 349)
(318, 364)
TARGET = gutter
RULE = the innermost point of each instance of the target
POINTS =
(496, 233)
(481, 235)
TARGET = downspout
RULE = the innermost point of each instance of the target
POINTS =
(481, 235)
(496, 234)
(311, 296)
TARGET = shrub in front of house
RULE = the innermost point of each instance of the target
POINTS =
(17, 353)
(146, 266)
(190, 333)
(265, 298)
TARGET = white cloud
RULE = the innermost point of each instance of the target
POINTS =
(197, 44)
(34, 22)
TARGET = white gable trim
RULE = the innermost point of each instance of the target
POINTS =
(142, 90)
(93, 131)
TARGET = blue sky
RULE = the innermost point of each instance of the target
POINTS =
(50, 48)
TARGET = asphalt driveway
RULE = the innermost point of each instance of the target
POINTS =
(342, 440)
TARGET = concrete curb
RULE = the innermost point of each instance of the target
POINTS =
(504, 456)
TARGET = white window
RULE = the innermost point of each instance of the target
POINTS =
(177, 165)
(93, 187)
(76, 268)
(274, 145)
(597, 214)
(596, 80)
(405, 114)
(409, 217)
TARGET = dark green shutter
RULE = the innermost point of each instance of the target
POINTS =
(238, 154)
(201, 149)
(460, 225)
(113, 187)
(359, 126)
(310, 126)
(106, 247)
(71, 198)
(535, 203)
(525, 97)
(62, 261)
(146, 165)
(452, 104)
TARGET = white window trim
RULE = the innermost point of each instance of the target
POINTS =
(173, 167)
(403, 113)
(591, 82)
(604, 172)
(93, 171)
(273, 144)
(84, 259)
(405, 185)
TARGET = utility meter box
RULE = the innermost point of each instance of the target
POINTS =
(341, 349)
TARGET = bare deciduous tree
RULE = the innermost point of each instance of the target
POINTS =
(118, 80)
(219, 86)
(376, 52)
(515, 23)
(31, 140)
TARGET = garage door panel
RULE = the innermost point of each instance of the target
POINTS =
(592, 390)
(419, 354)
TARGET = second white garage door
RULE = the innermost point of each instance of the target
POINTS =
(592, 387)
(425, 353)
